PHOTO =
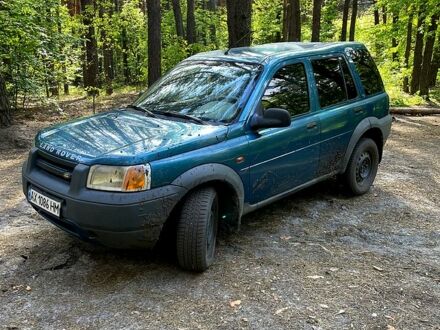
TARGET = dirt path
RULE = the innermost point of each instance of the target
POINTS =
(316, 260)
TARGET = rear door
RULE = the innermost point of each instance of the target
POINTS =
(337, 97)
(284, 158)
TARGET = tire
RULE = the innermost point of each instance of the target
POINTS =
(197, 230)
(362, 167)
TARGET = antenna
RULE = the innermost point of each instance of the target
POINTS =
(238, 41)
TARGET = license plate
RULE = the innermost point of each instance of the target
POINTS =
(44, 202)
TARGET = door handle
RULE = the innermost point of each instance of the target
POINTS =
(358, 110)
(312, 125)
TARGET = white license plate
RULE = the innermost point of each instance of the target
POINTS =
(44, 202)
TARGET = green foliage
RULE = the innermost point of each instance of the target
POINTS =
(42, 42)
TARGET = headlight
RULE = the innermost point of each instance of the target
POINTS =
(119, 178)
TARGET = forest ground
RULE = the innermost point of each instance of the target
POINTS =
(315, 260)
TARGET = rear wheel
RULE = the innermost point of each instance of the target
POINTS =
(197, 230)
(362, 167)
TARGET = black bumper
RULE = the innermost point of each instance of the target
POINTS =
(117, 220)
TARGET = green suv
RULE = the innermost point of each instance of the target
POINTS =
(221, 135)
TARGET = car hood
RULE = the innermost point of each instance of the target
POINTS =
(124, 137)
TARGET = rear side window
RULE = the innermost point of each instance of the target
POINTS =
(288, 90)
(367, 70)
(333, 81)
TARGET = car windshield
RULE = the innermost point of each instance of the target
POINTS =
(208, 90)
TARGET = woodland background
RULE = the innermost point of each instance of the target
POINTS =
(51, 50)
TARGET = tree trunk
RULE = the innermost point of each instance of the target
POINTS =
(190, 22)
(107, 50)
(239, 22)
(384, 15)
(292, 20)
(5, 109)
(316, 19)
(178, 18)
(418, 53)
(154, 41)
(393, 39)
(427, 56)
(90, 74)
(212, 7)
(345, 20)
(354, 10)
(376, 14)
(407, 50)
(435, 64)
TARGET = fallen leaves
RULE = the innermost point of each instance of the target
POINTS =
(235, 303)
(315, 277)
(378, 268)
(279, 311)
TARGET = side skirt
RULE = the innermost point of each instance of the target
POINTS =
(248, 208)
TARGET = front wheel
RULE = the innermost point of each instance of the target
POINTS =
(362, 167)
(197, 230)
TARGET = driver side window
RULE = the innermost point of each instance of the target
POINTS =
(288, 90)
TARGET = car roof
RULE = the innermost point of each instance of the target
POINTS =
(274, 52)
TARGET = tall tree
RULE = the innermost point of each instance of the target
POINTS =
(178, 18)
(107, 47)
(409, 28)
(190, 22)
(418, 52)
(435, 64)
(5, 109)
(292, 20)
(90, 67)
(376, 13)
(345, 20)
(394, 39)
(212, 7)
(154, 41)
(239, 22)
(354, 10)
(427, 56)
(316, 19)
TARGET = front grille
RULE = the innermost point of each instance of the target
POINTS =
(55, 166)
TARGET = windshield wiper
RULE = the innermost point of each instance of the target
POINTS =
(180, 115)
(139, 108)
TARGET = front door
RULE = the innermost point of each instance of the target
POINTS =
(284, 158)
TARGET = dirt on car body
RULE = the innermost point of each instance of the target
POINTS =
(315, 260)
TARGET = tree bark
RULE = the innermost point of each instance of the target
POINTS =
(376, 14)
(384, 15)
(427, 56)
(435, 64)
(316, 19)
(418, 53)
(345, 20)
(354, 10)
(416, 111)
(154, 41)
(178, 18)
(407, 51)
(190, 22)
(90, 74)
(212, 7)
(239, 22)
(393, 39)
(5, 108)
(292, 20)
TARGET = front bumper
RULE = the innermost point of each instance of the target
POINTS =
(114, 219)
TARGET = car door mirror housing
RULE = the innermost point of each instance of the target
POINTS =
(271, 118)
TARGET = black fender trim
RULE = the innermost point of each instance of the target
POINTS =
(202, 174)
(384, 124)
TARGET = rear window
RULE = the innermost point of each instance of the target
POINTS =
(367, 70)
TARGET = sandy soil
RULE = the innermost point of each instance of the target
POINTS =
(316, 260)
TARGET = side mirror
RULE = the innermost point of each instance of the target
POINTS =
(270, 118)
